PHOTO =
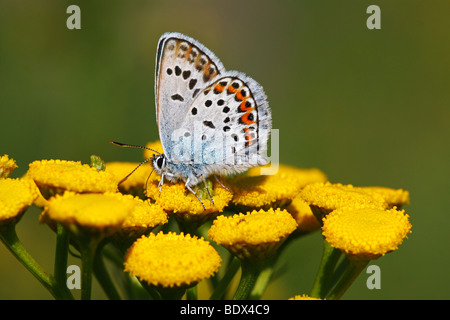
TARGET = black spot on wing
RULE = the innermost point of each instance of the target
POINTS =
(192, 83)
(177, 70)
(209, 124)
(177, 97)
(186, 74)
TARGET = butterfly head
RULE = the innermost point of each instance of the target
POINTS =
(159, 163)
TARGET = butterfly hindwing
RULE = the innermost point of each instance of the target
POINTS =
(227, 125)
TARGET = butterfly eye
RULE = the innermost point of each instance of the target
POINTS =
(160, 162)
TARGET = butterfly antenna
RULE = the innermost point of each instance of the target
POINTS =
(132, 146)
(140, 164)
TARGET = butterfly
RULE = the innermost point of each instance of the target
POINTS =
(211, 121)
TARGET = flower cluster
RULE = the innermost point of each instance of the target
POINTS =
(162, 235)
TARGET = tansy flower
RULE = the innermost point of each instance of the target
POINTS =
(102, 213)
(392, 197)
(56, 176)
(181, 203)
(366, 233)
(143, 218)
(303, 297)
(6, 166)
(303, 215)
(306, 176)
(253, 235)
(265, 191)
(135, 183)
(326, 197)
(171, 260)
(16, 195)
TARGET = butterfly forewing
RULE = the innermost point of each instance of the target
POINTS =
(184, 68)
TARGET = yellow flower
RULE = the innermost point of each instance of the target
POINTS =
(392, 197)
(326, 197)
(366, 233)
(303, 215)
(56, 176)
(135, 183)
(305, 176)
(256, 191)
(16, 195)
(144, 217)
(94, 212)
(253, 235)
(6, 166)
(171, 260)
(184, 205)
(303, 297)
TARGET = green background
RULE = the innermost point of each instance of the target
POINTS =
(368, 107)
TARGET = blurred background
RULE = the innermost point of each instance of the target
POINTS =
(367, 107)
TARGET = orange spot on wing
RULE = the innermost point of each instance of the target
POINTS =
(230, 89)
(245, 119)
(239, 95)
(248, 137)
(243, 107)
(219, 88)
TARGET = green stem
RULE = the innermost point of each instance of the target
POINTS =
(151, 290)
(102, 275)
(191, 293)
(9, 237)
(337, 274)
(222, 285)
(249, 275)
(330, 257)
(87, 250)
(263, 279)
(352, 271)
(61, 255)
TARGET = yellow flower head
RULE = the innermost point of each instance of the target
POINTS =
(253, 235)
(326, 197)
(135, 183)
(56, 176)
(184, 205)
(392, 197)
(303, 297)
(6, 166)
(302, 213)
(257, 191)
(94, 212)
(171, 260)
(366, 233)
(16, 195)
(144, 217)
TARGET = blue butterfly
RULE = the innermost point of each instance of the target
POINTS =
(211, 122)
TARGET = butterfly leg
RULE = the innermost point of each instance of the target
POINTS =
(161, 182)
(206, 186)
(190, 189)
(220, 182)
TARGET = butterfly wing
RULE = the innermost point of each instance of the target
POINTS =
(227, 126)
(183, 68)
